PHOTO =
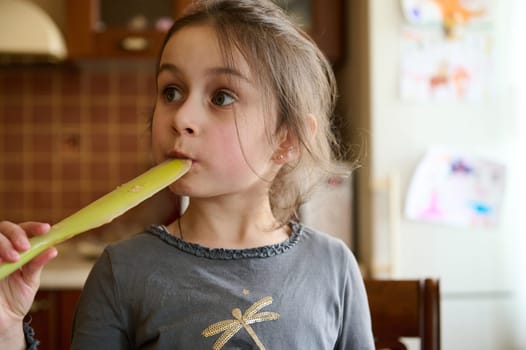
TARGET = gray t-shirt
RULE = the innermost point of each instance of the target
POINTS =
(155, 291)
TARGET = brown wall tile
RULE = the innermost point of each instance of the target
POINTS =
(69, 134)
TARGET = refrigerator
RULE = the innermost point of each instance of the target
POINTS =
(476, 264)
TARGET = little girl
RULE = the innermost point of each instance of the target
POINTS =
(247, 96)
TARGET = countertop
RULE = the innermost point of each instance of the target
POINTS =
(68, 270)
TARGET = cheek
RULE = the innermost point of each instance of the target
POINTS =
(226, 146)
(154, 130)
(156, 118)
(228, 156)
(255, 139)
(157, 135)
(248, 154)
(160, 123)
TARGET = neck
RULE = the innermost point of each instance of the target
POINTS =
(220, 225)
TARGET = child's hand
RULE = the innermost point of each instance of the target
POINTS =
(18, 290)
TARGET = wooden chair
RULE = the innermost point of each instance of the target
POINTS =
(405, 308)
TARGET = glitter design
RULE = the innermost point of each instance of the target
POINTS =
(231, 327)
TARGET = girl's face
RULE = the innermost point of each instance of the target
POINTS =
(213, 115)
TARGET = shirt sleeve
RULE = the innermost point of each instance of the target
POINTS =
(99, 321)
(356, 332)
(29, 335)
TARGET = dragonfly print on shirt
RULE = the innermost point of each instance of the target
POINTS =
(232, 326)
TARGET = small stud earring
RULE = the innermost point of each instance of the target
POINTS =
(281, 157)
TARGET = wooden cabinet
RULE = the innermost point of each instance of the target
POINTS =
(136, 28)
(52, 316)
(118, 28)
(323, 20)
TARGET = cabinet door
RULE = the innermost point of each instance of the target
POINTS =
(52, 316)
(66, 304)
(118, 28)
(136, 28)
(323, 20)
(44, 319)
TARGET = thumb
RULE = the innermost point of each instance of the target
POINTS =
(32, 270)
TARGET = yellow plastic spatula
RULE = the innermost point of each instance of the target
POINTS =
(103, 210)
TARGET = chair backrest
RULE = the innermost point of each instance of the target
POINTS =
(405, 308)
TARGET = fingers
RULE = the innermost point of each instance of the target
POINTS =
(7, 251)
(32, 229)
(35, 228)
(14, 238)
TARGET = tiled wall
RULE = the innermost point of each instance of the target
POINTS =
(71, 133)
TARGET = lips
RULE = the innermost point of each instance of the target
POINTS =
(179, 155)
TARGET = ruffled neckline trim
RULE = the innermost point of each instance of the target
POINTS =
(228, 254)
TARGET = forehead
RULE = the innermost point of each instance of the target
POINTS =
(199, 45)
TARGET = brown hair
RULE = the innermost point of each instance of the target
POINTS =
(293, 73)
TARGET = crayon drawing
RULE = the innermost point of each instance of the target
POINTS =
(446, 50)
(456, 189)
(435, 69)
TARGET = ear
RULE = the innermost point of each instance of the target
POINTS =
(287, 149)
(289, 144)
(313, 124)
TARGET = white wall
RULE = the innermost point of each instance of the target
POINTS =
(518, 31)
(475, 266)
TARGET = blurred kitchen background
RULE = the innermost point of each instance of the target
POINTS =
(432, 103)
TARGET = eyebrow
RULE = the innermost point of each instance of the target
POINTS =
(167, 67)
(227, 71)
(211, 71)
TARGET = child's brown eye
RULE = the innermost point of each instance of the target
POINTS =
(172, 94)
(223, 98)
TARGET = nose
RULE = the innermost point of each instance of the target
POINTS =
(184, 121)
(187, 131)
